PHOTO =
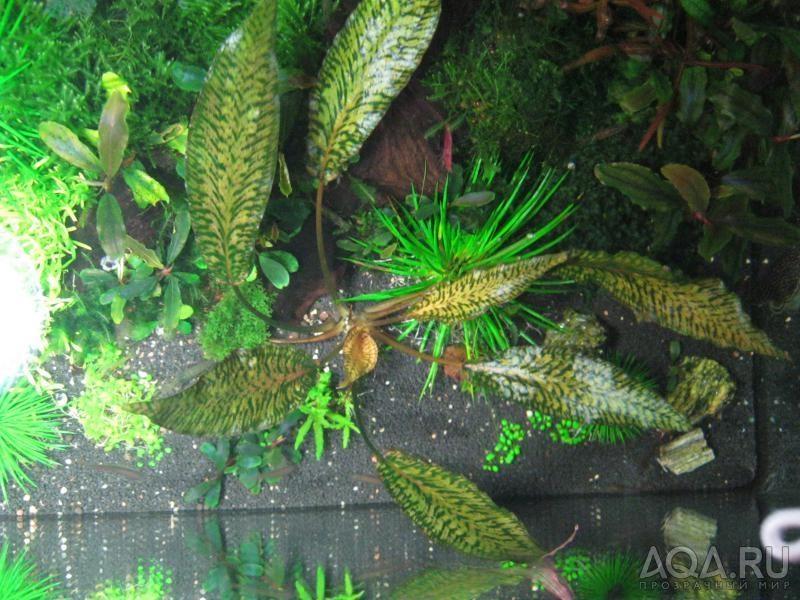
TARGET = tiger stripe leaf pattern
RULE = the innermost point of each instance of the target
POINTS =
(702, 309)
(452, 510)
(248, 391)
(232, 146)
(566, 383)
(474, 293)
(369, 62)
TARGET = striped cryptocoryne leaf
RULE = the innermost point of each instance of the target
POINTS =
(473, 294)
(368, 64)
(567, 384)
(232, 146)
(702, 309)
(452, 510)
(248, 391)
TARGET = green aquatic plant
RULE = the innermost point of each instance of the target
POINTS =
(724, 210)
(230, 326)
(19, 579)
(100, 409)
(29, 430)
(614, 575)
(232, 154)
(321, 415)
(321, 592)
(254, 459)
(436, 248)
(151, 583)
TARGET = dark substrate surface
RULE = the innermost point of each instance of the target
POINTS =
(446, 426)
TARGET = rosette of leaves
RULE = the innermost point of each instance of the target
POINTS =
(144, 275)
(108, 161)
(254, 459)
(723, 210)
(439, 241)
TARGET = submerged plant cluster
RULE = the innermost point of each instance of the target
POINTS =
(182, 233)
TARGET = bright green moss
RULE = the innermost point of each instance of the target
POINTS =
(230, 326)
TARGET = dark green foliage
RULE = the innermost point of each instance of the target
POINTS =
(613, 575)
(254, 459)
(256, 569)
(726, 215)
(501, 75)
(230, 326)
(153, 288)
(728, 84)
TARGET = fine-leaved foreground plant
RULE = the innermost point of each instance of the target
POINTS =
(471, 280)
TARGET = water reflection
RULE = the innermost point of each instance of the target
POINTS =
(376, 552)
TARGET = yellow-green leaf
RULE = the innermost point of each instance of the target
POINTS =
(113, 133)
(473, 294)
(702, 309)
(691, 185)
(368, 64)
(146, 190)
(360, 355)
(66, 144)
(248, 391)
(232, 147)
(147, 255)
(452, 510)
(704, 387)
(456, 584)
(571, 385)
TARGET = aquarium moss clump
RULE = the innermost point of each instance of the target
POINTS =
(230, 326)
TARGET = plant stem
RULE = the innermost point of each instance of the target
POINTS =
(363, 430)
(411, 352)
(269, 320)
(327, 276)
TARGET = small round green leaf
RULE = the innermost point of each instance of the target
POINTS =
(277, 274)
(187, 77)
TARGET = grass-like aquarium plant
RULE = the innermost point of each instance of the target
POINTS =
(20, 580)
(29, 429)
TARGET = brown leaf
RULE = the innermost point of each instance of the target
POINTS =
(360, 355)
